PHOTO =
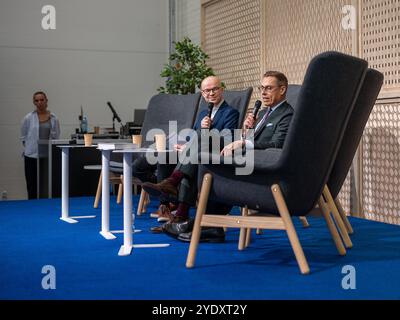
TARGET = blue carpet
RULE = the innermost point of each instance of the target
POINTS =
(88, 266)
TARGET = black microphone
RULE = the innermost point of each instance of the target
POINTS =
(115, 113)
(210, 107)
(257, 106)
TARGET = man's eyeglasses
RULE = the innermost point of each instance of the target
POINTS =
(267, 88)
(213, 90)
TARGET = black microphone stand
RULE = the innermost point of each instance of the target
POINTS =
(113, 122)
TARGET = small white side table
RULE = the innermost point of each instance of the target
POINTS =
(65, 185)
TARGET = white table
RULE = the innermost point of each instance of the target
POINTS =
(106, 149)
(126, 248)
(65, 185)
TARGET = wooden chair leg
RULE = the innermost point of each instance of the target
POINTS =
(304, 221)
(201, 209)
(331, 226)
(344, 216)
(337, 218)
(120, 190)
(248, 237)
(291, 231)
(146, 202)
(98, 193)
(243, 232)
(141, 202)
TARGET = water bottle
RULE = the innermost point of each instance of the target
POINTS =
(4, 195)
(84, 125)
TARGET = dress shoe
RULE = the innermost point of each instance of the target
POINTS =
(157, 229)
(157, 213)
(208, 234)
(164, 187)
(176, 227)
(174, 220)
(172, 207)
(165, 214)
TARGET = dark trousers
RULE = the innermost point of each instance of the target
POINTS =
(143, 170)
(147, 172)
(163, 172)
(31, 177)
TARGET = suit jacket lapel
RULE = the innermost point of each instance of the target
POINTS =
(271, 117)
(218, 115)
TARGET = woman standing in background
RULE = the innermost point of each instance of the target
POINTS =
(39, 124)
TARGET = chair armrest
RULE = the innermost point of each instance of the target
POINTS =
(267, 160)
(264, 160)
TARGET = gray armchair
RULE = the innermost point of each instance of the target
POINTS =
(292, 94)
(365, 102)
(289, 182)
(161, 109)
(359, 116)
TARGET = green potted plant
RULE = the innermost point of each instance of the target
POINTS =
(186, 70)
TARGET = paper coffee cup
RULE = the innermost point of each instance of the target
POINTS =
(160, 142)
(137, 139)
(88, 137)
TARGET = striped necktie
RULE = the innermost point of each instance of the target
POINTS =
(261, 124)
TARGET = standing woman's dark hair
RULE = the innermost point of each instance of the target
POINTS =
(40, 124)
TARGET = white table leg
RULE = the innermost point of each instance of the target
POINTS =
(126, 248)
(105, 195)
(65, 186)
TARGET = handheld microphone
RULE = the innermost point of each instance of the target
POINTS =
(257, 106)
(210, 107)
(114, 112)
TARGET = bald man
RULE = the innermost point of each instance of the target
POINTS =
(182, 183)
(222, 116)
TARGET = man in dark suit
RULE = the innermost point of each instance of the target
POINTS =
(272, 123)
(269, 131)
(222, 117)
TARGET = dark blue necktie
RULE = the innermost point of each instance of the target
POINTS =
(261, 124)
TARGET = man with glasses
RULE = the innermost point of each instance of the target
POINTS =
(182, 183)
(272, 123)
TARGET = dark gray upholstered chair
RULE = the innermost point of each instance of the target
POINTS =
(362, 109)
(164, 108)
(358, 119)
(161, 109)
(289, 182)
(292, 94)
(236, 99)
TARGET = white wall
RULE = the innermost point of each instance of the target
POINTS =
(100, 51)
(187, 22)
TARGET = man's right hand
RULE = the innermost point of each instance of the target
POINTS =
(249, 122)
(179, 147)
(206, 123)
